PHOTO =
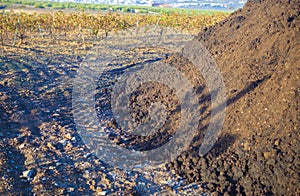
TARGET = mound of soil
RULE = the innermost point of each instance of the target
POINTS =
(257, 51)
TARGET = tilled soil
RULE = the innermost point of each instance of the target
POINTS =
(256, 50)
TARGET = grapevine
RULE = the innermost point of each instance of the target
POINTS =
(90, 27)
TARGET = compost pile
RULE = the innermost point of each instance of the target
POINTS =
(257, 51)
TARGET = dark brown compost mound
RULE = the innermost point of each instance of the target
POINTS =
(257, 50)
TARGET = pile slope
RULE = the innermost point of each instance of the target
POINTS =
(257, 51)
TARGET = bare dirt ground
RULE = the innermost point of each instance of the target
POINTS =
(257, 52)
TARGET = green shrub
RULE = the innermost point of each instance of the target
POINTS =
(2, 6)
(39, 5)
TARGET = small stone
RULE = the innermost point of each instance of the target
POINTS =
(49, 145)
(246, 146)
(63, 141)
(68, 146)
(222, 178)
(66, 94)
(102, 193)
(267, 155)
(68, 136)
(215, 193)
(92, 187)
(27, 174)
(86, 174)
(21, 146)
(98, 190)
(51, 167)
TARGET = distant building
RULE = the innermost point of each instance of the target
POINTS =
(161, 5)
(150, 3)
(195, 4)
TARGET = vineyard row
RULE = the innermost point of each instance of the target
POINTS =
(21, 26)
